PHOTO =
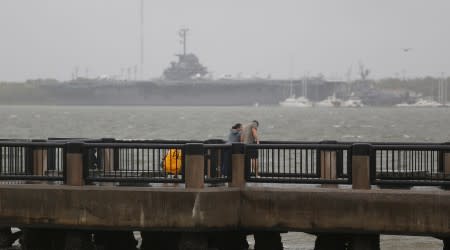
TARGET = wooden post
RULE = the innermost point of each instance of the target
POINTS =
(108, 157)
(74, 164)
(194, 172)
(237, 165)
(39, 159)
(361, 166)
(447, 164)
(328, 169)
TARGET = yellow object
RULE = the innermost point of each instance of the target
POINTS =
(172, 162)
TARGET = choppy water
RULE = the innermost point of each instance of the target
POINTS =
(276, 123)
(131, 122)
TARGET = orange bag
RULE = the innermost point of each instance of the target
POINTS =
(172, 163)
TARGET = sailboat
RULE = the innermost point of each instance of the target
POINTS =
(330, 101)
(421, 103)
(299, 102)
(353, 102)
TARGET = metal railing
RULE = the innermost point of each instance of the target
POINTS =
(298, 163)
(409, 165)
(22, 161)
(163, 161)
(218, 163)
(133, 162)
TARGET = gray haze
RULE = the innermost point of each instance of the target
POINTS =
(50, 38)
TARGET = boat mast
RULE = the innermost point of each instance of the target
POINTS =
(142, 40)
(305, 86)
(183, 33)
(291, 69)
(442, 90)
(440, 99)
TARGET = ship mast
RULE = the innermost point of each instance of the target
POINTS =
(142, 39)
(183, 33)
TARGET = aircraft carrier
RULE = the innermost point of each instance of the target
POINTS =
(184, 82)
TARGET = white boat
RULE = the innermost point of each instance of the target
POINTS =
(331, 101)
(403, 105)
(421, 103)
(300, 102)
(353, 102)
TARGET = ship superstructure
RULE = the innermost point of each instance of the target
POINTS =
(188, 66)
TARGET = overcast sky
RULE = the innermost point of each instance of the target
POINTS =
(50, 38)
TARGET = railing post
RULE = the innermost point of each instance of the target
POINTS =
(74, 164)
(361, 166)
(447, 165)
(39, 156)
(237, 165)
(194, 173)
(108, 156)
(444, 162)
(328, 169)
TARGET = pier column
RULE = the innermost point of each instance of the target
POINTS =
(42, 239)
(365, 242)
(332, 241)
(78, 240)
(446, 242)
(115, 240)
(194, 172)
(193, 241)
(227, 240)
(268, 241)
(361, 166)
(237, 165)
(7, 237)
(158, 240)
(74, 164)
(361, 179)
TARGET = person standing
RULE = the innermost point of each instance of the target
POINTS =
(233, 137)
(249, 135)
(235, 133)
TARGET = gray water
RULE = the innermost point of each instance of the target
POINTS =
(276, 123)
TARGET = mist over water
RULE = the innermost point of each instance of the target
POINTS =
(276, 123)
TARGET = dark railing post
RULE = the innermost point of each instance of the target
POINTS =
(1, 160)
(328, 166)
(213, 159)
(237, 165)
(194, 172)
(361, 172)
(248, 162)
(28, 151)
(74, 164)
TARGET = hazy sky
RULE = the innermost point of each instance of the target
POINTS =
(50, 38)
